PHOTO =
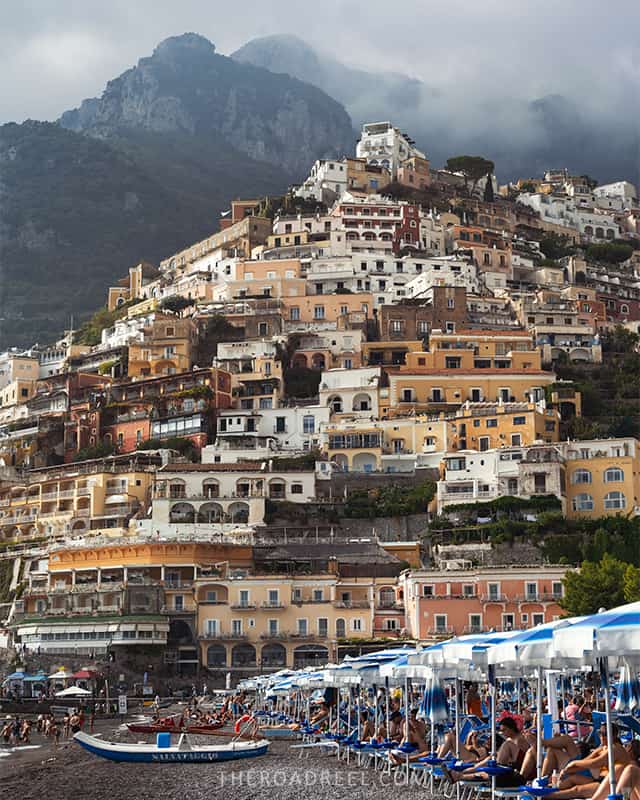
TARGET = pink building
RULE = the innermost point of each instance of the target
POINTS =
(449, 602)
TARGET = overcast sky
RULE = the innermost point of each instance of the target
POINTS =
(54, 53)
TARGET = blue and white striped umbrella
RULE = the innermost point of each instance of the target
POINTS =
(628, 690)
(614, 633)
(434, 705)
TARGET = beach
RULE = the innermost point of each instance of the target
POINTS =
(70, 772)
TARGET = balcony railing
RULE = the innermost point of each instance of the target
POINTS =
(242, 606)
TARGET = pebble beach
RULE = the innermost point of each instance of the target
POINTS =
(69, 772)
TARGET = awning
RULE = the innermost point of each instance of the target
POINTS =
(146, 627)
(126, 627)
(116, 498)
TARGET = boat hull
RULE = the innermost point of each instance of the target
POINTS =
(201, 730)
(149, 753)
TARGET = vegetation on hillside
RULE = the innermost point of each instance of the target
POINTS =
(390, 501)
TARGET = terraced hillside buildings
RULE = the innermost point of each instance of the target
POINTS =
(187, 479)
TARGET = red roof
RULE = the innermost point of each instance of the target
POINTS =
(84, 673)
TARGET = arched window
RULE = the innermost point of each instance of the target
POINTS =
(210, 488)
(583, 502)
(341, 628)
(335, 403)
(182, 513)
(615, 500)
(624, 308)
(613, 475)
(581, 476)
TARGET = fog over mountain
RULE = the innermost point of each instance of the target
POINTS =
(523, 136)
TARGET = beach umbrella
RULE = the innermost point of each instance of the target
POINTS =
(609, 635)
(73, 691)
(614, 633)
(434, 705)
(627, 690)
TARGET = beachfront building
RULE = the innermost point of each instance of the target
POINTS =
(458, 599)
(81, 499)
(299, 606)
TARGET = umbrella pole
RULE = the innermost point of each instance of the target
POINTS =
(539, 724)
(387, 704)
(457, 716)
(604, 676)
(406, 722)
(492, 698)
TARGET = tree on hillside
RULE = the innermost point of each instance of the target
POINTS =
(176, 303)
(620, 340)
(555, 246)
(597, 585)
(609, 252)
(472, 168)
(488, 196)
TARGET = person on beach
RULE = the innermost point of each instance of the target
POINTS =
(75, 722)
(66, 724)
(92, 719)
(54, 731)
(6, 730)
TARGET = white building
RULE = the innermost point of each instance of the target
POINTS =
(195, 498)
(351, 391)
(447, 271)
(620, 190)
(244, 435)
(384, 145)
(592, 223)
(326, 182)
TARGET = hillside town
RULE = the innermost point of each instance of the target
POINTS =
(296, 439)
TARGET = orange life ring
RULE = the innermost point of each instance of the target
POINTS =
(245, 718)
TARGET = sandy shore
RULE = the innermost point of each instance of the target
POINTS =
(70, 772)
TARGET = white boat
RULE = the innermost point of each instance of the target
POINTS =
(162, 751)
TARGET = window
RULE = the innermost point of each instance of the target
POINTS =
(484, 443)
(273, 627)
(493, 590)
(583, 502)
(492, 423)
(531, 591)
(512, 486)
(581, 476)
(297, 488)
(178, 602)
(615, 500)
(440, 623)
(302, 627)
(244, 597)
(212, 596)
(451, 303)
(429, 590)
(519, 420)
(516, 440)
(356, 624)
(397, 326)
(469, 590)
(613, 475)
(556, 589)
(475, 623)
(539, 482)
(508, 622)
(274, 597)
(323, 627)
(537, 619)
(236, 627)
(318, 312)
(212, 627)
(294, 313)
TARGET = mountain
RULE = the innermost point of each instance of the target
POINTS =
(522, 136)
(142, 171)
(186, 88)
(368, 96)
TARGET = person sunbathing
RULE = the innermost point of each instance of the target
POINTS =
(473, 748)
(560, 750)
(511, 753)
(583, 777)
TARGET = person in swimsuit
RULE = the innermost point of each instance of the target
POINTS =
(586, 777)
(511, 753)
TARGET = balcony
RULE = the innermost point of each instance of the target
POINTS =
(352, 604)
(440, 630)
(242, 606)
(178, 584)
(275, 606)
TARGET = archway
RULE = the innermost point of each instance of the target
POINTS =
(239, 512)
(216, 655)
(182, 513)
(243, 655)
(364, 462)
(362, 402)
(210, 512)
(309, 655)
(274, 655)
